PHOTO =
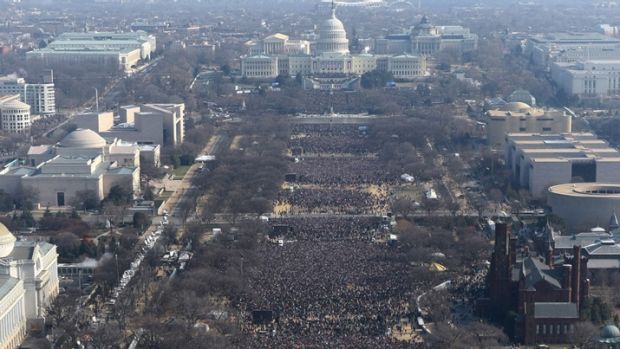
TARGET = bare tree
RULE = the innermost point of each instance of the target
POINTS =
(583, 335)
(106, 337)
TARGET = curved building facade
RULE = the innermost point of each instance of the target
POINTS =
(584, 205)
(15, 116)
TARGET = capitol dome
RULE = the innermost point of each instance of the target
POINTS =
(610, 331)
(332, 36)
(7, 241)
(82, 138)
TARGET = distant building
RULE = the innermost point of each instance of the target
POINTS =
(545, 49)
(260, 67)
(154, 124)
(14, 115)
(331, 59)
(538, 161)
(607, 29)
(150, 26)
(517, 117)
(588, 79)
(81, 161)
(427, 39)
(40, 97)
(123, 49)
(278, 44)
(115, 150)
(544, 297)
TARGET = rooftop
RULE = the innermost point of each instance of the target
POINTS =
(536, 271)
(600, 190)
(555, 311)
(7, 284)
(573, 37)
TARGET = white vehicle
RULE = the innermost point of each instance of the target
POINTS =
(407, 178)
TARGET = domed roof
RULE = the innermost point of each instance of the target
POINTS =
(425, 23)
(82, 138)
(7, 241)
(610, 331)
(15, 104)
(515, 106)
(332, 23)
(332, 36)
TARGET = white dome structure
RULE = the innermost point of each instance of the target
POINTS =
(7, 241)
(332, 36)
(82, 138)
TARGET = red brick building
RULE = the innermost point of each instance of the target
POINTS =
(544, 298)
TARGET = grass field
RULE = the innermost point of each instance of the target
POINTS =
(180, 171)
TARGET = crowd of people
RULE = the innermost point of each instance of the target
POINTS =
(330, 228)
(331, 294)
(331, 200)
(342, 171)
(331, 139)
(332, 280)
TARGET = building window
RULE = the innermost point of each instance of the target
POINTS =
(537, 329)
(60, 198)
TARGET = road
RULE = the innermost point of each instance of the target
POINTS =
(178, 201)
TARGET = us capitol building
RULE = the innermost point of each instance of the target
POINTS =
(330, 66)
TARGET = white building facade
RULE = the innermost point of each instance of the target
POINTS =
(28, 285)
(14, 115)
(82, 161)
(13, 322)
(124, 49)
(330, 58)
(589, 79)
(278, 44)
(40, 97)
(544, 49)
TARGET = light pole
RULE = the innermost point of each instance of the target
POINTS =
(96, 100)
(118, 277)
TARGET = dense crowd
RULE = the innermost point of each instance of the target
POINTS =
(330, 228)
(331, 200)
(342, 171)
(329, 282)
(331, 139)
(331, 294)
(317, 102)
(330, 145)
